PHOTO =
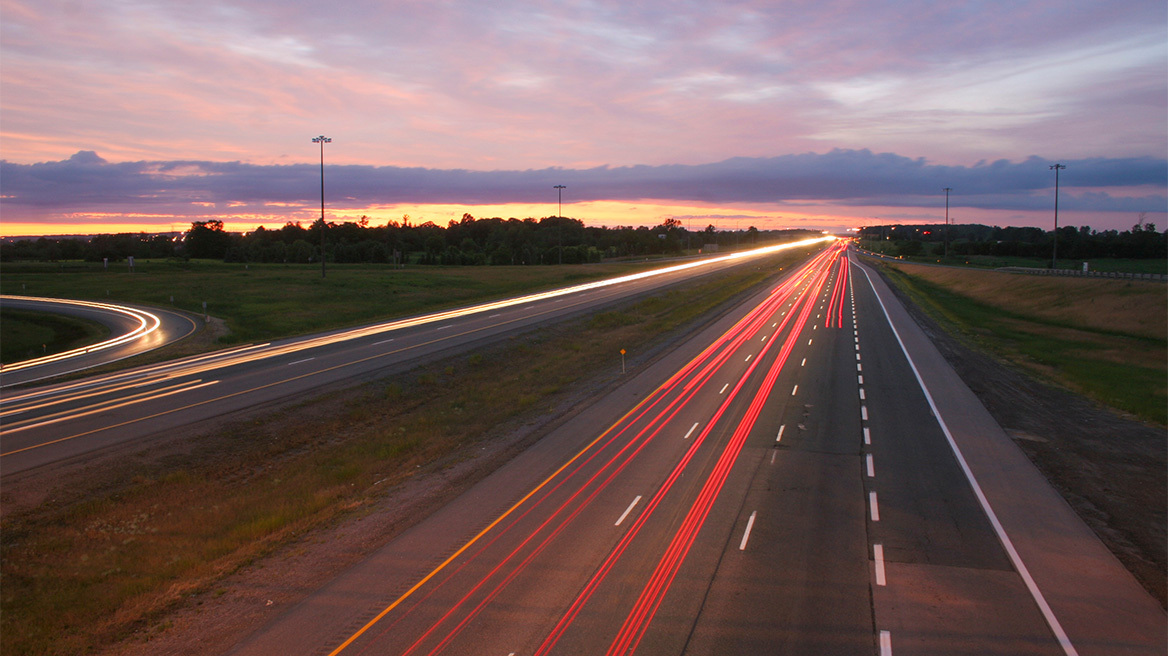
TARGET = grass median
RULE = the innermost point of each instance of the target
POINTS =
(118, 548)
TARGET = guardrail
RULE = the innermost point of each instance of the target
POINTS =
(1075, 273)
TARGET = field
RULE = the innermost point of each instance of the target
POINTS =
(32, 334)
(125, 542)
(267, 301)
(1103, 338)
(998, 261)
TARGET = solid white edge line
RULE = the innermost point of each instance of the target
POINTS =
(746, 535)
(878, 556)
(1047, 612)
(627, 511)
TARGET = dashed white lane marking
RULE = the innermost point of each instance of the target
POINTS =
(746, 535)
(859, 380)
(763, 338)
(862, 394)
(449, 325)
(870, 466)
(492, 316)
(627, 511)
(878, 554)
(723, 390)
(748, 357)
(859, 367)
(857, 356)
(773, 454)
(885, 643)
(384, 341)
(690, 431)
(867, 436)
(864, 412)
(872, 505)
(300, 361)
(779, 437)
(803, 363)
(794, 390)
(809, 342)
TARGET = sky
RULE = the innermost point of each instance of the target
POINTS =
(128, 115)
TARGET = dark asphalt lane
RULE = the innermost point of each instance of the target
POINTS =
(121, 319)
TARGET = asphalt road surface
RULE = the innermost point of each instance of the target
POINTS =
(133, 330)
(67, 420)
(803, 477)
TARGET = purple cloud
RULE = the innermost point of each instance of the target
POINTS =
(86, 182)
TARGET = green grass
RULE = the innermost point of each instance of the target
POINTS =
(117, 550)
(267, 301)
(1119, 265)
(28, 334)
(1124, 371)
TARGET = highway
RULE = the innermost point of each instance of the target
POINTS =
(56, 422)
(783, 483)
(805, 475)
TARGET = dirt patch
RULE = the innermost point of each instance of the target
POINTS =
(1112, 469)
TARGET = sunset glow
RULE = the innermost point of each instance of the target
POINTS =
(138, 116)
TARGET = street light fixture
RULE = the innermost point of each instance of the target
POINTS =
(559, 219)
(1054, 253)
(322, 140)
(947, 190)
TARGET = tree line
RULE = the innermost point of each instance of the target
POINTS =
(468, 241)
(1142, 241)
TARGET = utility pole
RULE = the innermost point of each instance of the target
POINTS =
(560, 219)
(1054, 253)
(947, 190)
(322, 140)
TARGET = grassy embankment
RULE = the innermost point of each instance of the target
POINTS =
(1117, 265)
(119, 547)
(33, 334)
(268, 301)
(1102, 338)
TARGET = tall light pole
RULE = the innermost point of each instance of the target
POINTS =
(559, 219)
(1054, 253)
(322, 140)
(947, 190)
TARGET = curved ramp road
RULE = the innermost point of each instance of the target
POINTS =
(43, 425)
(800, 478)
(133, 331)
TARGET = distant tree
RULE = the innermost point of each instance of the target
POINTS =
(206, 239)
